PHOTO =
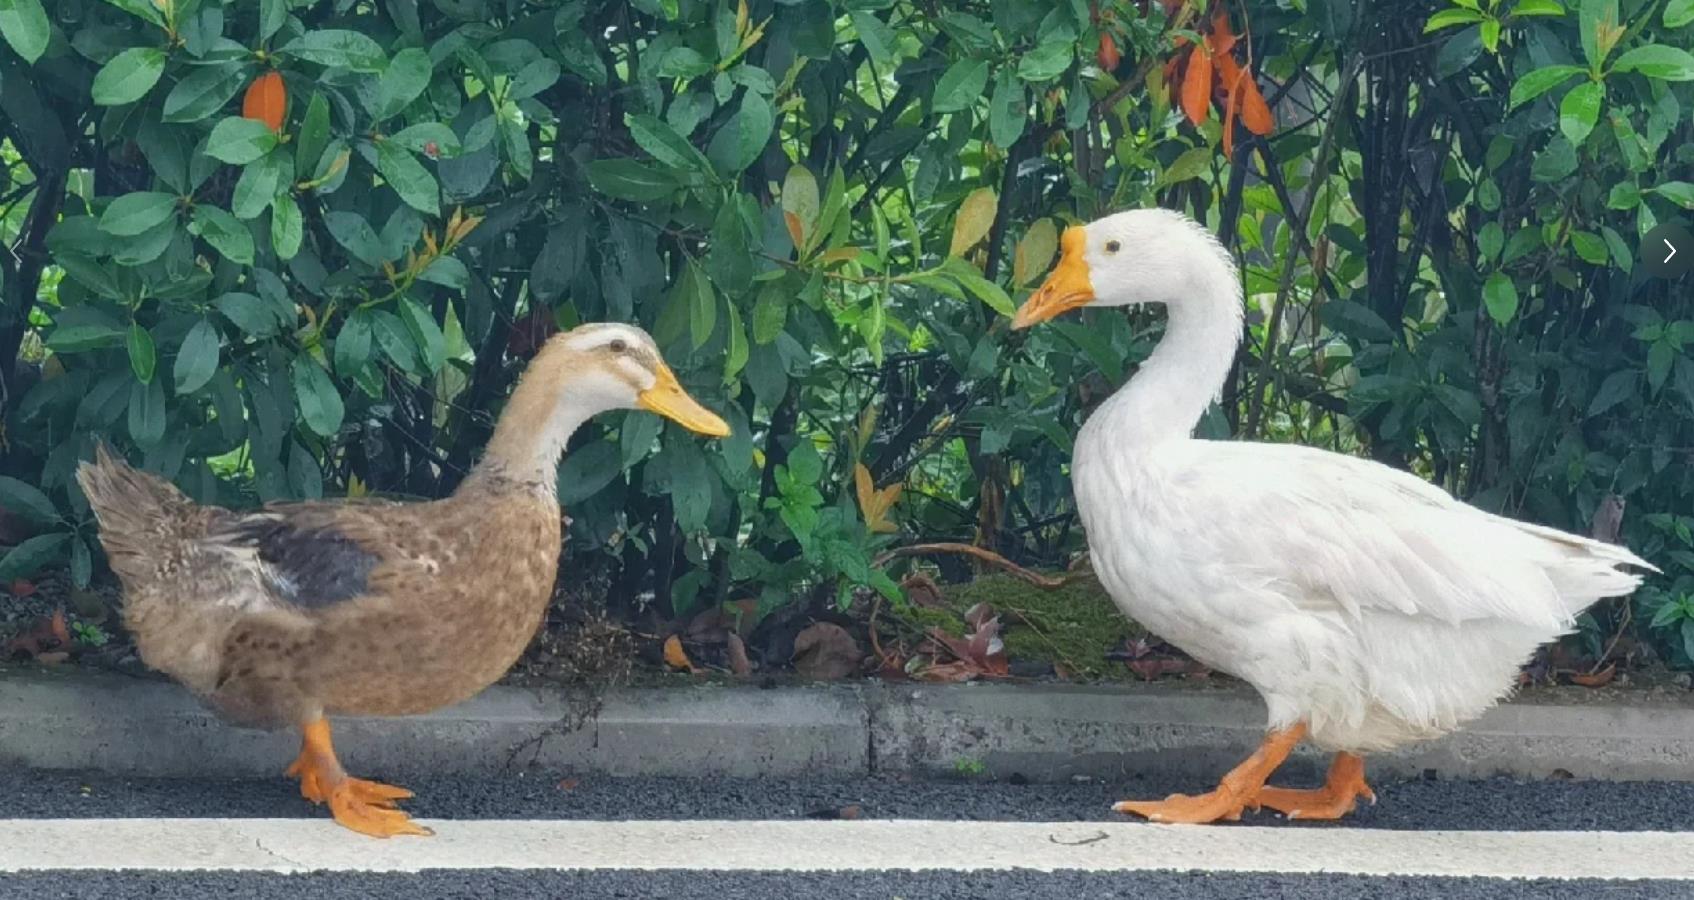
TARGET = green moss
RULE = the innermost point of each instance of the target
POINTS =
(1072, 627)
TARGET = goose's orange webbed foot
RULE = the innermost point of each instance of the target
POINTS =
(1339, 795)
(367, 807)
(1237, 791)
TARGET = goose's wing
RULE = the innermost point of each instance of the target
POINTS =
(1353, 535)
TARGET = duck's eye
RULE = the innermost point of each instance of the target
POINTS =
(618, 345)
(1113, 246)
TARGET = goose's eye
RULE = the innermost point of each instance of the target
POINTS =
(618, 346)
(1113, 246)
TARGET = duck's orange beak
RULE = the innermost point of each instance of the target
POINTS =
(1067, 287)
(667, 398)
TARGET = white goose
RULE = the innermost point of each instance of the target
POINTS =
(1368, 607)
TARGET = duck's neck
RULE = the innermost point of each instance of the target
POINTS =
(1169, 393)
(532, 432)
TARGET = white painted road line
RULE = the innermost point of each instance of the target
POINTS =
(302, 845)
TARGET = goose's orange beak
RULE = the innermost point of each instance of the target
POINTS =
(1067, 287)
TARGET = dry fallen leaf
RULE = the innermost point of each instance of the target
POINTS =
(569, 784)
(874, 504)
(922, 591)
(1595, 679)
(22, 588)
(675, 656)
(738, 662)
(825, 651)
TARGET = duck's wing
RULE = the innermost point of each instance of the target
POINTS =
(316, 554)
(1351, 534)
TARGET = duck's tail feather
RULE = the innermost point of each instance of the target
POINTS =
(1585, 570)
(144, 520)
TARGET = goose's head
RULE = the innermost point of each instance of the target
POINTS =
(609, 366)
(1139, 256)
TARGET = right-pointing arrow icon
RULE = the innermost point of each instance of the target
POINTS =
(1671, 262)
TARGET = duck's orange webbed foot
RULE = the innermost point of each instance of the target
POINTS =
(1338, 796)
(1237, 791)
(367, 807)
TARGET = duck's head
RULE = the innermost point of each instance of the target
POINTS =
(1138, 256)
(611, 366)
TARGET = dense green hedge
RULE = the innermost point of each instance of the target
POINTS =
(824, 211)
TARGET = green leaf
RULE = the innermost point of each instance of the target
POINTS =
(250, 314)
(287, 226)
(1490, 30)
(627, 179)
(662, 143)
(770, 313)
(351, 231)
(447, 271)
(971, 280)
(426, 334)
(38, 552)
(403, 80)
(1456, 53)
(127, 77)
(1490, 241)
(1679, 13)
(204, 91)
(1590, 247)
(135, 213)
(23, 23)
(742, 139)
(147, 412)
(878, 38)
(1618, 387)
(419, 138)
(1357, 321)
(197, 358)
(239, 141)
(1008, 110)
(1447, 18)
(1193, 163)
(339, 48)
(408, 178)
(702, 304)
(224, 232)
(353, 343)
(960, 85)
(313, 138)
(1555, 162)
(1679, 192)
(1580, 109)
(1660, 356)
(1594, 15)
(27, 501)
(1500, 296)
(315, 394)
(272, 15)
(1538, 8)
(142, 357)
(1658, 61)
(1046, 62)
(737, 356)
(1540, 81)
(260, 181)
(587, 469)
(1624, 195)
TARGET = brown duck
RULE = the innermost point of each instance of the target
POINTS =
(285, 614)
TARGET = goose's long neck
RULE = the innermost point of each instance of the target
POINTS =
(1169, 393)
(538, 421)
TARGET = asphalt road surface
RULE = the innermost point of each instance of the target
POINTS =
(563, 836)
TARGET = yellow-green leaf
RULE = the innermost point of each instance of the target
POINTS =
(1034, 252)
(976, 217)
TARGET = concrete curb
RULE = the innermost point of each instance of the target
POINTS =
(79, 720)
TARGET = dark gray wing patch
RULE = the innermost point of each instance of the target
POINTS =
(309, 566)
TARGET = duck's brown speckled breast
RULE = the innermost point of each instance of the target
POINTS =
(446, 629)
